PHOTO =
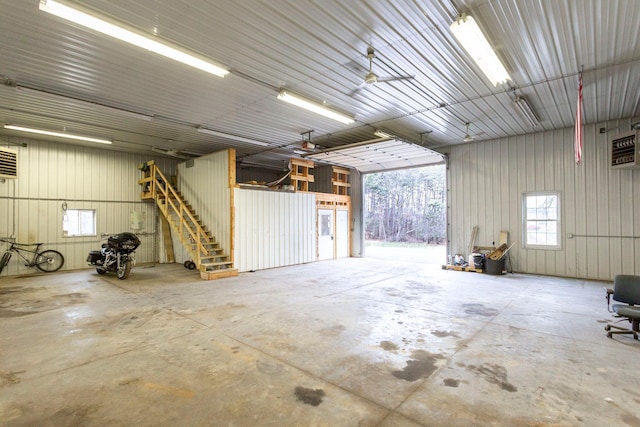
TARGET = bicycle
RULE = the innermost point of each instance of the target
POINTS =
(47, 261)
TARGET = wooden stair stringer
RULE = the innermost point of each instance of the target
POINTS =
(205, 252)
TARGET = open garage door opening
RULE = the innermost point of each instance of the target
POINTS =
(405, 215)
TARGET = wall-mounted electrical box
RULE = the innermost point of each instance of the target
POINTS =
(625, 150)
(8, 164)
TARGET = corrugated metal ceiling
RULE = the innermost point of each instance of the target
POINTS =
(318, 49)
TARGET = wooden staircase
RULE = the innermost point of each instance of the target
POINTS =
(205, 252)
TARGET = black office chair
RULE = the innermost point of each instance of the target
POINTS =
(626, 289)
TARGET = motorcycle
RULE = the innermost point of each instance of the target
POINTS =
(115, 256)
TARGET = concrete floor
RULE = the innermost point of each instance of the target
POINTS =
(351, 342)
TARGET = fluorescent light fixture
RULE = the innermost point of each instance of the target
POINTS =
(314, 107)
(522, 106)
(383, 134)
(475, 43)
(230, 136)
(58, 134)
(104, 25)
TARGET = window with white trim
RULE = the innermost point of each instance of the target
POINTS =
(541, 218)
(79, 222)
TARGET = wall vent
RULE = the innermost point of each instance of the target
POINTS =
(8, 164)
(625, 150)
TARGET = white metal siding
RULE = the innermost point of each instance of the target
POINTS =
(84, 178)
(488, 179)
(273, 229)
(205, 186)
(357, 214)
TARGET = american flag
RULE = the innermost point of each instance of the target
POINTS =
(578, 130)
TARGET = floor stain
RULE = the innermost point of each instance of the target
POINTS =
(8, 378)
(423, 287)
(6, 314)
(422, 365)
(128, 381)
(479, 309)
(74, 416)
(332, 331)
(72, 298)
(17, 289)
(388, 346)
(444, 334)
(269, 368)
(451, 382)
(630, 419)
(309, 396)
(495, 374)
(234, 305)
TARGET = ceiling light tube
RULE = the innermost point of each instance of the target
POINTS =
(475, 43)
(59, 134)
(525, 110)
(314, 107)
(383, 134)
(107, 26)
(230, 136)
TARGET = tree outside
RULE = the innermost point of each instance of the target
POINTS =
(405, 215)
(406, 205)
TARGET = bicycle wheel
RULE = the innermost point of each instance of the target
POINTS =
(49, 261)
(5, 260)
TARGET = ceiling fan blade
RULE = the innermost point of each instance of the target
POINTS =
(358, 89)
(185, 155)
(392, 79)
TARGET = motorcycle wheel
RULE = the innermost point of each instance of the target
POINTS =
(123, 273)
(101, 271)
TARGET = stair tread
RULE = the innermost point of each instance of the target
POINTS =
(182, 216)
(215, 264)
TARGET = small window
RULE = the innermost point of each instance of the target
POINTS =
(325, 225)
(541, 213)
(79, 222)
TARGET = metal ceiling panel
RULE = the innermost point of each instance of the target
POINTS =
(317, 48)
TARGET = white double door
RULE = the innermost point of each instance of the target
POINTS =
(333, 233)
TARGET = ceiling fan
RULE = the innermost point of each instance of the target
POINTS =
(185, 155)
(467, 137)
(373, 78)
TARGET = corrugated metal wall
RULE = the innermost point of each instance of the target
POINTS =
(85, 178)
(273, 229)
(205, 186)
(322, 176)
(357, 214)
(599, 205)
(244, 174)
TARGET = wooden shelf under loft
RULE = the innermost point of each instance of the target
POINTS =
(340, 181)
(146, 182)
(300, 176)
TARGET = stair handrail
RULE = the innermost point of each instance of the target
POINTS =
(165, 188)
